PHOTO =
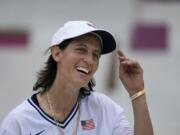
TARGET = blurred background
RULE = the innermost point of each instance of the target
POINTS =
(147, 30)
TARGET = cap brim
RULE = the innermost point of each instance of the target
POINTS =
(109, 43)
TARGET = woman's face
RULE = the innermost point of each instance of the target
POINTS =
(79, 61)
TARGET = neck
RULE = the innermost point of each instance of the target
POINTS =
(63, 98)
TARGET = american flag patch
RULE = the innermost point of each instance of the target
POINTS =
(87, 124)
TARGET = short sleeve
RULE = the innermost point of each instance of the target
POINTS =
(122, 126)
(5, 131)
(9, 126)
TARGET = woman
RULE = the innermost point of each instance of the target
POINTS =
(66, 103)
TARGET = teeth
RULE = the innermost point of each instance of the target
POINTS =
(83, 70)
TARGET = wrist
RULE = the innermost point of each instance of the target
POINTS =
(137, 95)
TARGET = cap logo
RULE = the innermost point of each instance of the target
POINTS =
(91, 25)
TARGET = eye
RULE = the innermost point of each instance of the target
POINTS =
(96, 56)
(81, 49)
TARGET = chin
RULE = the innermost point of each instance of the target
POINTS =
(82, 83)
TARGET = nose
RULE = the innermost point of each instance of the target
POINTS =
(89, 59)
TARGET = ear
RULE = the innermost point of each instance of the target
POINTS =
(56, 53)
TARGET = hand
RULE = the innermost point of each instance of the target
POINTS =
(130, 73)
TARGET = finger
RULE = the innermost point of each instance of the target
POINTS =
(122, 58)
(129, 62)
(130, 67)
(121, 53)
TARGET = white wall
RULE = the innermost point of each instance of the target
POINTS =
(42, 17)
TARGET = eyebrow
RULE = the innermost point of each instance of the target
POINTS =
(81, 44)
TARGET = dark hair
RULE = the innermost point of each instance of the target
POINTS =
(47, 75)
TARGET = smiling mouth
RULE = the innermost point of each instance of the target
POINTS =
(83, 70)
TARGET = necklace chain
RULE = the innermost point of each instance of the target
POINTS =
(51, 107)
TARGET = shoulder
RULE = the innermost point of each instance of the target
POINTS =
(11, 123)
(109, 112)
(20, 109)
(14, 116)
(101, 101)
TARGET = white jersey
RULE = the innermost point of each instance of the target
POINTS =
(99, 115)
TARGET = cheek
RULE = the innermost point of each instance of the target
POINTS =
(65, 64)
(96, 66)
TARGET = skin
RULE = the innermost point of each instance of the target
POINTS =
(85, 52)
(131, 75)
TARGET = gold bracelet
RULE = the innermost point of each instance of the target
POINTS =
(138, 94)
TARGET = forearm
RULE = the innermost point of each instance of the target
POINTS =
(142, 121)
(131, 75)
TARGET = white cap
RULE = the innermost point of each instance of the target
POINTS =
(74, 29)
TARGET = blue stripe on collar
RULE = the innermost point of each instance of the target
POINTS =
(62, 124)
